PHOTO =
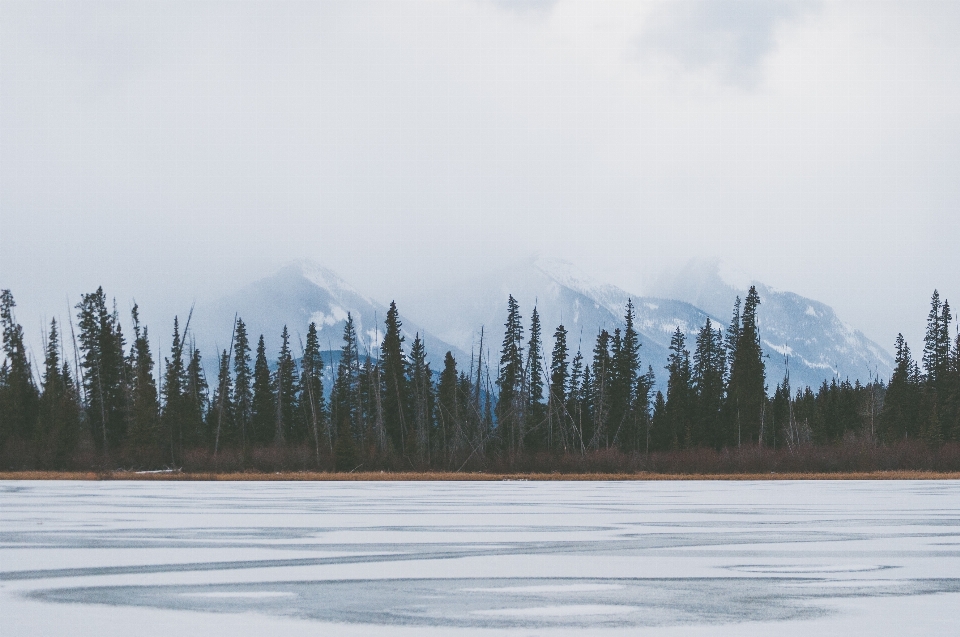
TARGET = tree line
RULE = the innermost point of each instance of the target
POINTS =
(102, 398)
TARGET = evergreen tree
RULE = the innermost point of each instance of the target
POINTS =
(58, 424)
(747, 390)
(450, 416)
(423, 401)
(603, 371)
(624, 415)
(175, 408)
(313, 404)
(243, 379)
(285, 389)
(196, 400)
(510, 380)
(263, 412)
(19, 398)
(901, 406)
(678, 404)
(221, 418)
(936, 343)
(101, 343)
(344, 400)
(709, 363)
(661, 430)
(145, 406)
(576, 400)
(396, 392)
(534, 431)
(557, 396)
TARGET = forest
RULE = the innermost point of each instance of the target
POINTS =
(101, 401)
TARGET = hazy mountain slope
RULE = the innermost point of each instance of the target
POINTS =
(301, 293)
(819, 345)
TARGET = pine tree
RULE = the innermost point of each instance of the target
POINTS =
(57, 430)
(936, 343)
(901, 404)
(557, 396)
(396, 392)
(535, 417)
(101, 343)
(263, 412)
(19, 398)
(221, 418)
(174, 414)
(423, 401)
(450, 416)
(344, 399)
(661, 433)
(678, 404)
(285, 389)
(709, 363)
(510, 380)
(575, 402)
(243, 379)
(196, 399)
(313, 404)
(145, 407)
(747, 389)
(624, 416)
(603, 371)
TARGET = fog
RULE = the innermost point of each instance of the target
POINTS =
(171, 151)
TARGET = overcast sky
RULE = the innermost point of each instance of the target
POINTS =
(167, 150)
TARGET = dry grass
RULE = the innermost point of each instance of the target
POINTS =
(307, 476)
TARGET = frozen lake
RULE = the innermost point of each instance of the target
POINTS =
(480, 558)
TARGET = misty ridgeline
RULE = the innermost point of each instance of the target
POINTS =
(98, 405)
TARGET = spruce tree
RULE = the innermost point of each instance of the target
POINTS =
(678, 404)
(421, 383)
(101, 343)
(575, 402)
(936, 343)
(312, 401)
(901, 404)
(510, 380)
(174, 415)
(396, 392)
(624, 416)
(661, 434)
(263, 412)
(285, 389)
(535, 416)
(557, 396)
(222, 423)
(709, 363)
(243, 389)
(19, 397)
(450, 416)
(196, 402)
(602, 376)
(145, 407)
(344, 399)
(747, 389)
(57, 430)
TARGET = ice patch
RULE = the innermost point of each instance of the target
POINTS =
(240, 594)
(572, 610)
(547, 588)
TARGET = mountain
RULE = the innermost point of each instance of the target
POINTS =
(301, 293)
(561, 295)
(817, 343)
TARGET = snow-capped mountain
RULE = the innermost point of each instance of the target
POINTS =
(562, 295)
(817, 343)
(301, 293)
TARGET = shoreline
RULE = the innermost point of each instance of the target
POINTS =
(441, 476)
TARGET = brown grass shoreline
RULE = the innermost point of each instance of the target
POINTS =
(426, 476)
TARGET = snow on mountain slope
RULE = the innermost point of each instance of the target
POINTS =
(818, 344)
(301, 293)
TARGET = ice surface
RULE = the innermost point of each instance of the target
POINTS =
(517, 558)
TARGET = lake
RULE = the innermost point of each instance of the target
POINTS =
(480, 558)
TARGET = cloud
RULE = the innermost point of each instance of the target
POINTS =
(733, 36)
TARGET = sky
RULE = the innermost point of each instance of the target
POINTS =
(173, 151)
